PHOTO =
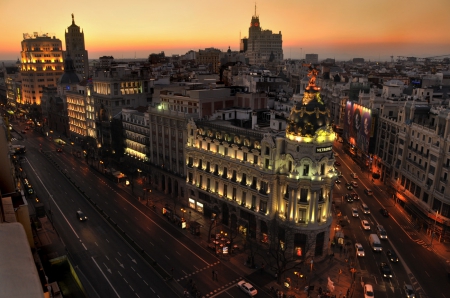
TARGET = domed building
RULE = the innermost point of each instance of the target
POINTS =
(271, 182)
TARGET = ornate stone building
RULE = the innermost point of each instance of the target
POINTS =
(247, 178)
(76, 48)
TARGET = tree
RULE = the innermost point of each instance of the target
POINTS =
(280, 253)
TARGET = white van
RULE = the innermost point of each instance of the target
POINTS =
(375, 242)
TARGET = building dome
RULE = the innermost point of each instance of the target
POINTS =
(309, 117)
(69, 76)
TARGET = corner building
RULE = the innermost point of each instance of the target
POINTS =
(247, 178)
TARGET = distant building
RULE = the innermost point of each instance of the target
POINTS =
(209, 57)
(76, 48)
(358, 60)
(41, 65)
(262, 45)
(312, 58)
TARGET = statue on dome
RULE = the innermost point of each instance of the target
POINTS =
(312, 81)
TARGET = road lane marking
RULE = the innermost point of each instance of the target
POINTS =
(167, 257)
(84, 246)
(427, 274)
(105, 277)
(51, 198)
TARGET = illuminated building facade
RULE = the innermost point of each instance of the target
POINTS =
(41, 65)
(209, 57)
(247, 177)
(136, 126)
(76, 48)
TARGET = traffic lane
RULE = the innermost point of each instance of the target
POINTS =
(70, 202)
(232, 290)
(371, 262)
(126, 215)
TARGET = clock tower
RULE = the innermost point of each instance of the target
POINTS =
(263, 46)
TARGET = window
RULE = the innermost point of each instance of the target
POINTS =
(245, 156)
(305, 170)
(234, 194)
(190, 177)
(225, 190)
(286, 194)
(233, 177)
(253, 201)
(322, 169)
(208, 165)
(304, 195)
(225, 172)
(267, 151)
(209, 146)
(208, 184)
(290, 166)
(216, 186)
(200, 181)
(255, 159)
(263, 206)
(244, 198)
(226, 151)
(302, 215)
(266, 165)
(200, 164)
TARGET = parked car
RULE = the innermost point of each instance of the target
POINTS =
(409, 291)
(368, 191)
(385, 270)
(384, 212)
(365, 224)
(247, 288)
(392, 256)
(359, 250)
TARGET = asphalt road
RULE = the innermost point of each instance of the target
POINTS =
(112, 266)
(418, 265)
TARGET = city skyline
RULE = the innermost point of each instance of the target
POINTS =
(374, 31)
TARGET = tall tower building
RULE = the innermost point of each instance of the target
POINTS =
(41, 65)
(76, 49)
(262, 45)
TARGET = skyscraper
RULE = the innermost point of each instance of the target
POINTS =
(75, 47)
(41, 65)
(262, 45)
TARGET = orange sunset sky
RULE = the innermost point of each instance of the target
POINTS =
(340, 29)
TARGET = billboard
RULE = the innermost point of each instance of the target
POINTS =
(358, 126)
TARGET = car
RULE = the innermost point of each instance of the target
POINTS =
(349, 198)
(355, 196)
(336, 163)
(365, 224)
(354, 184)
(365, 209)
(350, 187)
(368, 191)
(81, 216)
(384, 212)
(409, 291)
(381, 232)
(355, 212)
(340, 175)
(354, 176)
(359, 250)
(247, 288)
(59, 150)
(348, 184)
(368, 291)
(338, 181)
(391, 255)
(385, 270)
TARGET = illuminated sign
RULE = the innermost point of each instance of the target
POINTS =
(324, 149)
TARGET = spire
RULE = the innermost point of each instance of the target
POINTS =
(255, 9)
(73, 19)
